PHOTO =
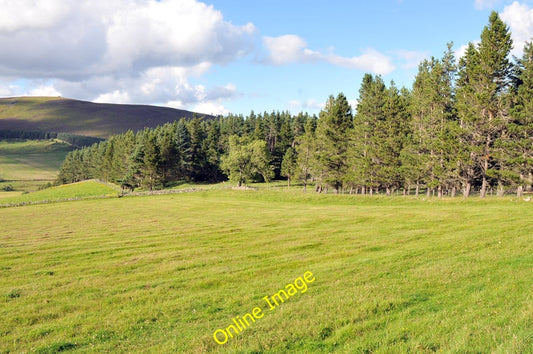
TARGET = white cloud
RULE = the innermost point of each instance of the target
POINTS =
(44, 91)
(353, 103)
(519, 17)
(485, 4)
(142, 51)
(91, 37)
(30, 14)
(116, 96)
(293, 49)
(289, 49)
(212, 108)
(371, 60)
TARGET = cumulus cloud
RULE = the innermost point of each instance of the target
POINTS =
(519, 17)
(93, 37)
(30, 14)
(142, 51)
(293, 49)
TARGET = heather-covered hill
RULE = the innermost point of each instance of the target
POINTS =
(58, 114)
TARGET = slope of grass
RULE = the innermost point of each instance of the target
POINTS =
(25, 164)
(162, 273)
(101, 120)
(80, 190)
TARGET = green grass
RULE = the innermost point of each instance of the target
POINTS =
(26, 164)
(162, 273)
(80, 190)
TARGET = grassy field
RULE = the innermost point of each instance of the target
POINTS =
(162, 273)
(26, 164)
(81, 190)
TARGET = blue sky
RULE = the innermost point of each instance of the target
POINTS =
(223, 56)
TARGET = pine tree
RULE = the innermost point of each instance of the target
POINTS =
(334, 128)
(289, 165)
(518, 147)
(305, 148)
(428, 156)
(198, 150)
(484, 78)
(151, 168)
(364, 144)
(183, 148)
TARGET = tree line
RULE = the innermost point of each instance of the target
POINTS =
(72, 139)
(463, 126)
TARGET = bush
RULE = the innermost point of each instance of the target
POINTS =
(8, 188)
(45, 186)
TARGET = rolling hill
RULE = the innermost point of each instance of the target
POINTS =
(58, 114)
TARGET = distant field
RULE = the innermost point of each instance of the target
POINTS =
(162, 273)
(26, 164)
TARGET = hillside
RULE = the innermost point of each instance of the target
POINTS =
(101, 120)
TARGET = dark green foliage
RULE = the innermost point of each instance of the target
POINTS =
(482, 102)
(186, 150)
(333, 132)
(73, 139)
(289, 165)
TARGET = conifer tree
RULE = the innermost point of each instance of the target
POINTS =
(289, 165)
(370, 110)
(518, 148)
(333, 131)
(305, 149)
(484, 78)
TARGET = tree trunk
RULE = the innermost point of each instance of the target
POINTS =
(519, 191)
(417, 189)
(439, 190)
(387, 191)
(467, 188)
(500, 191)
(483, 190)
(453, 192)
